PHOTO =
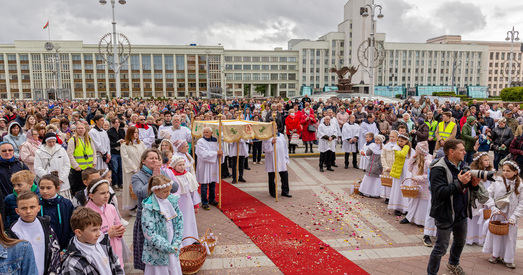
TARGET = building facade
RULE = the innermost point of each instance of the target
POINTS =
(77, 70)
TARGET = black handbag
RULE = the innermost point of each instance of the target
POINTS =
(311, 128)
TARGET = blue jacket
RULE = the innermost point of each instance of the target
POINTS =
(156, 248)
(10, 206)
(59, 210)
(18, 259)
(7, 169)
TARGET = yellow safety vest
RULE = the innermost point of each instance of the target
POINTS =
(432, 127)
(445, 132)
(83, 154)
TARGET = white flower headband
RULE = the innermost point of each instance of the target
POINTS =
(480, 155)
(162, 186)
(97, 184)
(513, 164)
(404, 136)
(105, 172)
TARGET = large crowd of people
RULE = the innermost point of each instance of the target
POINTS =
(62, 162)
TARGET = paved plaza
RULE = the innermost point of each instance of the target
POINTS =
(362, 229)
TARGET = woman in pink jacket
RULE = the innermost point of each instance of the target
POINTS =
(99, 194)
(28, 149)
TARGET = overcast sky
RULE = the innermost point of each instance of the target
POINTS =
(247, 24)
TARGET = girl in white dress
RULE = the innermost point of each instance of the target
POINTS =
(477, 227)
(371, 183)
(399, 173)
(419, 167)
(503, 248)
(387, 160)
(189, 198)
(369, 139)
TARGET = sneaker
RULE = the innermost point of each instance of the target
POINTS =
(427, 241)
(511, 265)
(455, 269)
(214, 203)
(206, 207)
(495, 260)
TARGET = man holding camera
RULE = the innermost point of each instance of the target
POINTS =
(453, 192)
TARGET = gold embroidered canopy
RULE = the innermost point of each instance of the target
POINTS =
(234, 130)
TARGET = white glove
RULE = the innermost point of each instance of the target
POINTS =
(512, 221)
(495, 211)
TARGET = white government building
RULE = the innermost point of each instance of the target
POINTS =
(27, 70)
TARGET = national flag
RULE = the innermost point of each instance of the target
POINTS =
(46, 25)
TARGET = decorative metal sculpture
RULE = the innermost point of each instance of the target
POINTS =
(344, 84)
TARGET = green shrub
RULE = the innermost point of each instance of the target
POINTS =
(450, 93)
(398, 96)
(512, 94)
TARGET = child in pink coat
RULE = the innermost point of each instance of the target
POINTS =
(98, 191)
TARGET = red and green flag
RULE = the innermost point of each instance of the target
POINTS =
(46, 25)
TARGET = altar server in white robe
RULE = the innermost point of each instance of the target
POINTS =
(350, 135)
(189, 198)
(209, 161)
(241, 149)
(145, 132)
(367, 126)
(503, 247)
(334, 121)
(179, 132)
(327, 135)
(282, 157)
(101, 142)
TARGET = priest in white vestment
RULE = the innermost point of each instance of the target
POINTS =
(209, 161)
(327, 136)
(282, 157)
(145, 132)
(350, 135)
(101, 142)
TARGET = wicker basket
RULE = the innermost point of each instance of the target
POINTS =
(192, 257)
(486, 213)
(357, 184)
(386, 180)
(210, 240)
(410, 191)
(498, 228)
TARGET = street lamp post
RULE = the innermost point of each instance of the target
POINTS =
(455, 65)
(116, 64)
(372, 8)
(512, 36)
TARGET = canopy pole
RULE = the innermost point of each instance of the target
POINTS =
(192, 142)
(237, 161)
(220, 161)
(274, 135)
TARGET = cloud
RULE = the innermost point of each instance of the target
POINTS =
(459, 18)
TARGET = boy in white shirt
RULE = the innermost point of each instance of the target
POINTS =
(38, 232)
(90, 251)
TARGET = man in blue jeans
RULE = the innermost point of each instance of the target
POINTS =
(452, 194)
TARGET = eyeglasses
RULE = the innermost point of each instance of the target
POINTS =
(8, 150)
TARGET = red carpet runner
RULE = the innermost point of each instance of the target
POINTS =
(293, 249)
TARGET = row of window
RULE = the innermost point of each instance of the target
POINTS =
(258, 76)
(259, 59)
(238, 67)
(497, 55)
